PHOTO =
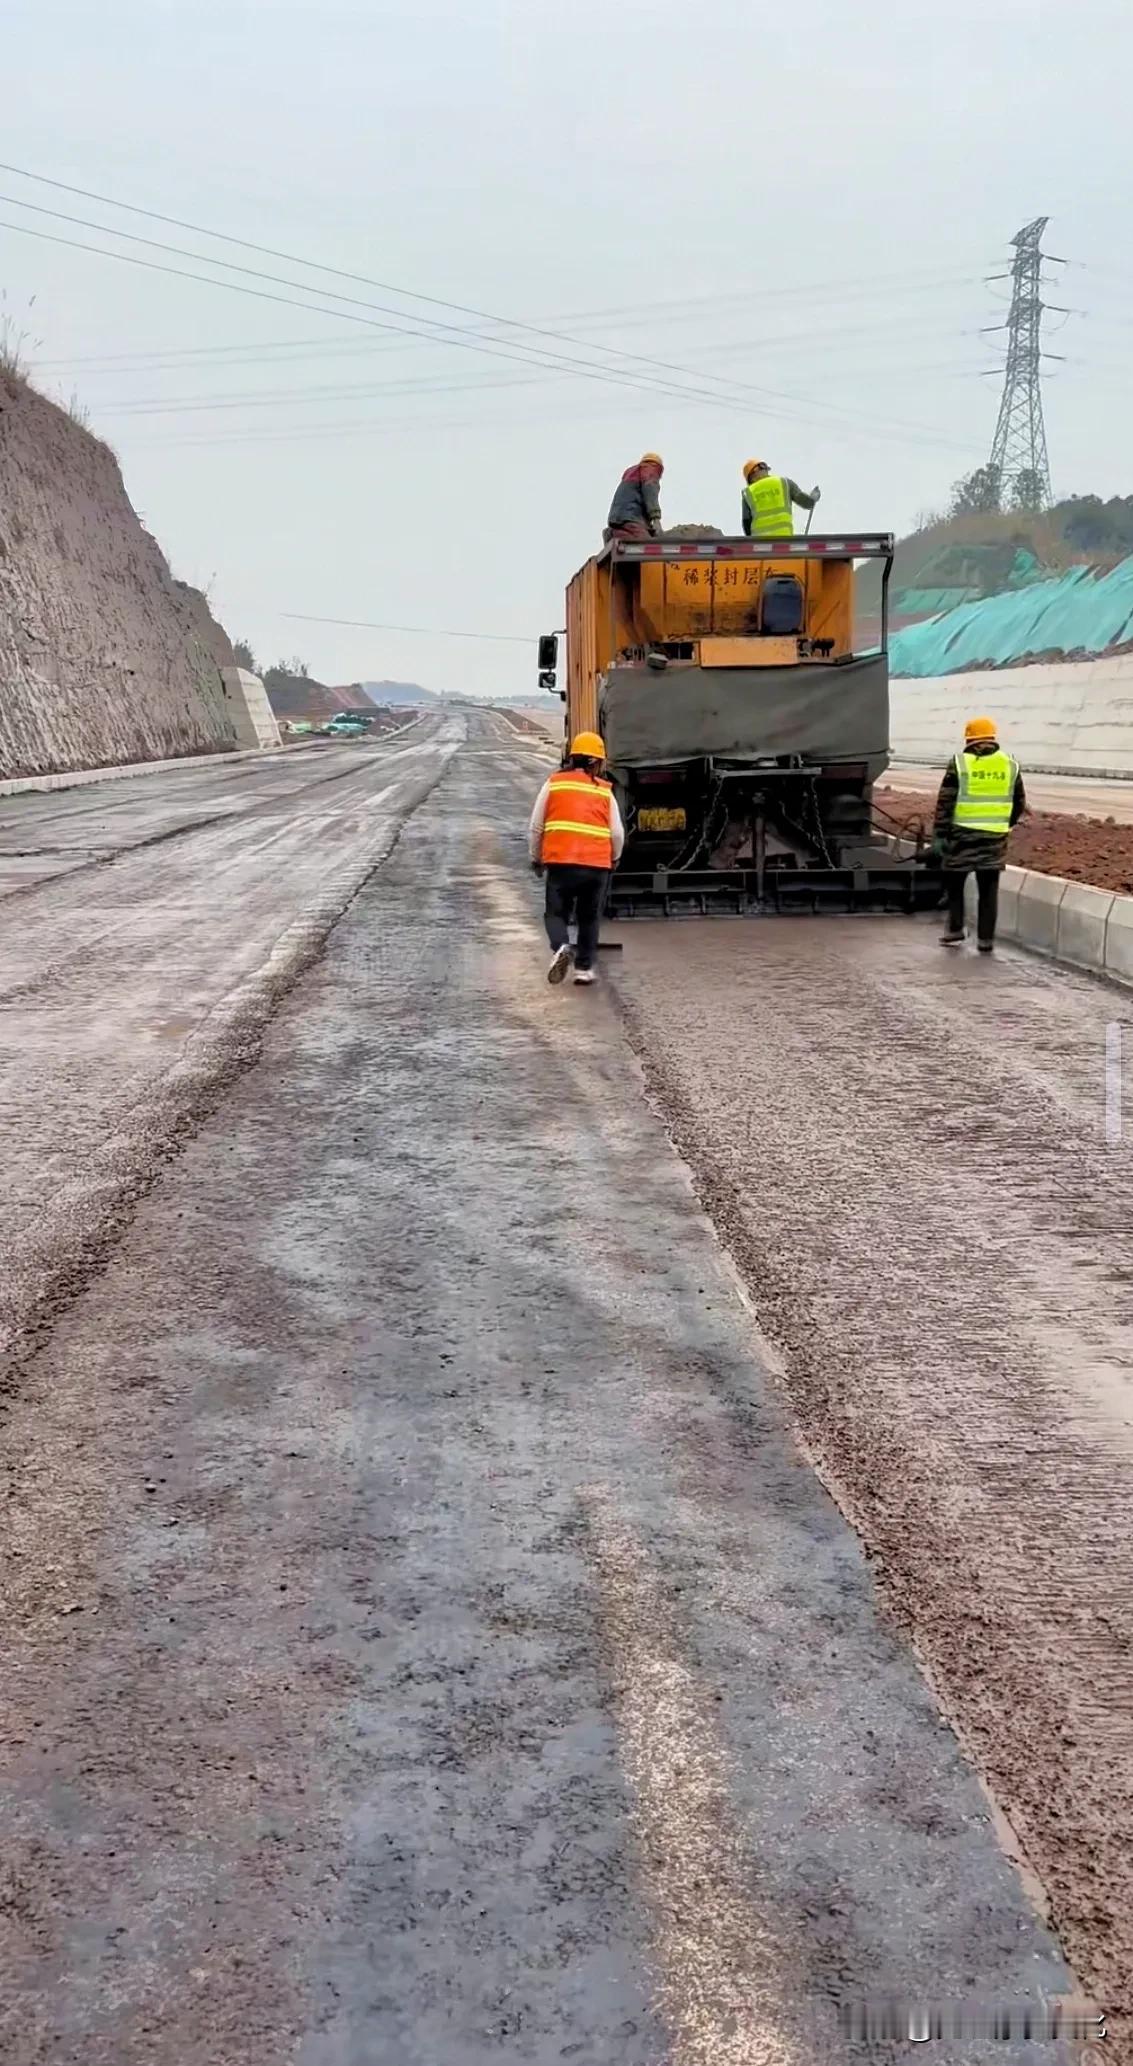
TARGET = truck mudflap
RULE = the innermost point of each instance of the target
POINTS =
(888, 885)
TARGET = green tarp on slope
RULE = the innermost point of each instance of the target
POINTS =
(930, 602)
(1081, 611)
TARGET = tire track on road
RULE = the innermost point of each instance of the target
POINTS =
(721, 1988)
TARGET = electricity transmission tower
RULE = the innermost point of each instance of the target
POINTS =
(1018, 460)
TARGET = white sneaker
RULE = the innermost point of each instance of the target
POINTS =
(560, 962)
(584, 975)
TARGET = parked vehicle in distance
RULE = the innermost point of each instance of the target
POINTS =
(348, 724)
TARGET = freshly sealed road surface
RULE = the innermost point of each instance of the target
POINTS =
(427, 1641)
(146, 929)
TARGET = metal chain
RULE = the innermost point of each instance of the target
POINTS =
(694, 847)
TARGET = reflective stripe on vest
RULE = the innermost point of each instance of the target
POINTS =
(576, 829)
(770, 501)
(986, 792)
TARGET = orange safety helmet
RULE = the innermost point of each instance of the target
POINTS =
(651, 459)
(754, 466)
(979, 728)
(588, 746)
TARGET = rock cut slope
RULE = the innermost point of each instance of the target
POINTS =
(104, 657)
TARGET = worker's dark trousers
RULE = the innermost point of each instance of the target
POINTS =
(987, 894)
(577, 893)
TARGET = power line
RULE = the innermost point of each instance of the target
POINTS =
(297, 397)
(459, 338)
(442, 333)
(255, 398)
(335, 272)
(657, 312)
(281, 354)
(609, 376)
(495, 638)
(849, 346)
(558, 363)
(287, 400)
(456, 335)
(414, 425)
(271, 251)
(169, 355)
(867, 287)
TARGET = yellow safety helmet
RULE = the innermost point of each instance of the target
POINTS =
(651, 459)
(588, 746)
(754, 466)
(980, 728)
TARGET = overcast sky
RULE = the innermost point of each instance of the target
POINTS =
(795, 207)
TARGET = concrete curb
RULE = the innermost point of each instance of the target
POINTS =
(1070, 922)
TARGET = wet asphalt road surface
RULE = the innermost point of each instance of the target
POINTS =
(53, 832)
(134, 983)
(426, 1641)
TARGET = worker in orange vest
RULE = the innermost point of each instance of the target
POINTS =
(575, 838)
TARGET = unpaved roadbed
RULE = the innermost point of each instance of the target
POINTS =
(1056, 842)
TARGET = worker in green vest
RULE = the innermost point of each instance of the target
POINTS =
(767, 499)
(980, 799)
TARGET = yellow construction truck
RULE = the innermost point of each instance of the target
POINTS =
(743, 732)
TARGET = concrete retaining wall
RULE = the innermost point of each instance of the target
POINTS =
(1069, 921)
(251, 713)
(1075, 718)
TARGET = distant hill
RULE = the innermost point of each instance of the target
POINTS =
(402, 694)
(300, 696)
(409, 694)
(532, 701)
(976, 553)
(352, 695)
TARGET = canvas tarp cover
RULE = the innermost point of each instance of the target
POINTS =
(824, 713)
